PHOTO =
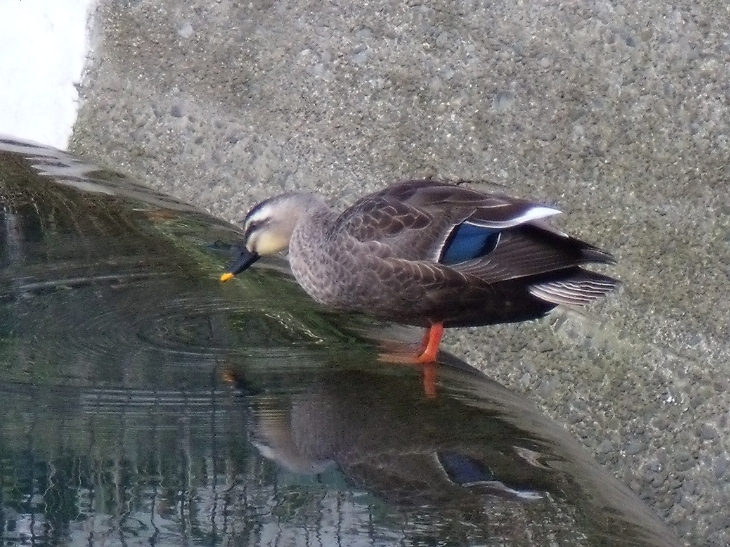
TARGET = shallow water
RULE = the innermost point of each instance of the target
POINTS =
(146, 403)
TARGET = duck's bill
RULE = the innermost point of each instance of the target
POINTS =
(244, 260)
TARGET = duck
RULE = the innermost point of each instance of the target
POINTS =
(427, 253)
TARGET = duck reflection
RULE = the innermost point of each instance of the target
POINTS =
(478, 454)
(379, 432)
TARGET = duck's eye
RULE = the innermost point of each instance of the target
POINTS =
(252, 227)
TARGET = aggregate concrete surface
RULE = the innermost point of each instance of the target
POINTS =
(617, 112)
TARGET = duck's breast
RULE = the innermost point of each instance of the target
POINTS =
(343, 273)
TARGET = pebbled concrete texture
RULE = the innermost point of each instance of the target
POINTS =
(617, 112)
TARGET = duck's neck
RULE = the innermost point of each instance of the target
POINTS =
(313, 224)
(310, 253)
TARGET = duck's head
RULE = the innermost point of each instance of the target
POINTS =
(268, 227)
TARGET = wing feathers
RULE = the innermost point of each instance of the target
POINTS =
(422, 214)
(467, 246)
(526, 251)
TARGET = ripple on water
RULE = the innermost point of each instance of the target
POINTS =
(158, 320)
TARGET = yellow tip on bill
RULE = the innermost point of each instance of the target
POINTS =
(226, 276)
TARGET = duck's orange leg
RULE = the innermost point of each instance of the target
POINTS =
(431, 343)
(426, 359)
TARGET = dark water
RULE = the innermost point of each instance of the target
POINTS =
(145, 403)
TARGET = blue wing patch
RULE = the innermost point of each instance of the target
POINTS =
(463, 470)
(468, 472)
(468, 241)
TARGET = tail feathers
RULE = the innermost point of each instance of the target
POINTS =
(594, 254)
(577, 290)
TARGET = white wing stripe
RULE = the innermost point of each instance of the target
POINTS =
(536, 212)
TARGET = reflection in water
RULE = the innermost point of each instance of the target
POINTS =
(478, 465)
(145, 403)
